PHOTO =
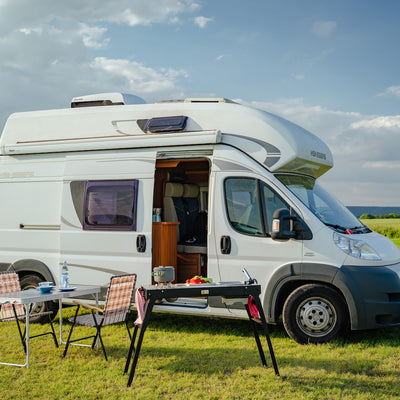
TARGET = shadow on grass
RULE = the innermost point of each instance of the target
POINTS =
(204, 324)
(221, 349)
(242, 328)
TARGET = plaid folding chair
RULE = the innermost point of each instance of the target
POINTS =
(118, 304)
(9, 282)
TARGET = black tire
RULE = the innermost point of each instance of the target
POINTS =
(32, 282)
(315, 313)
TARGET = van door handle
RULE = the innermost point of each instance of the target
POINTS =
(225, 245)
(141, 243)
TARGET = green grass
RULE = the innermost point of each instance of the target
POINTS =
(396, 242)
(387, 227)
(203, 358)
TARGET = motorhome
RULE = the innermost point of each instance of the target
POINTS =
(207, 186)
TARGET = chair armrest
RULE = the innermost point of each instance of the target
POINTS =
(88, 306)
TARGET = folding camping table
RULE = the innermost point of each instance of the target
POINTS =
(154, 293)
(32, 296)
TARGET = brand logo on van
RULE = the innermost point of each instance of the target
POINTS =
(316, 154)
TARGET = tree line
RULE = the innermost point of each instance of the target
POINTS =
(387, 216)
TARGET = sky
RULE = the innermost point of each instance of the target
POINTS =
(330, 66)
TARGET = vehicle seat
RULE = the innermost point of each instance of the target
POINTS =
(191, 241)
(173, 204)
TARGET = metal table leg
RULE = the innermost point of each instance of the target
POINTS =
(266, 332)
(148, 308)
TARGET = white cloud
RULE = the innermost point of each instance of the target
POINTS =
(92, 36)
(323, 29)
(364, 148)
(382, 122)
(202, 21)
(298, 77)
(46, 51)
(219, 58)
(383, 165)
(391, 91)
(21, 13)
(136, 77)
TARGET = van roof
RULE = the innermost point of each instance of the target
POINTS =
(273, 141)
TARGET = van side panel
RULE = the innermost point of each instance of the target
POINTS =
(95, 254)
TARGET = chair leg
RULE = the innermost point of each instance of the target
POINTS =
(70, 333)
(98, 335)
(53, 332)
(102, 345)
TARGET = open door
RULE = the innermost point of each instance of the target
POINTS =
(180, 237)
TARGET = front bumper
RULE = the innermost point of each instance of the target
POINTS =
(372, 294)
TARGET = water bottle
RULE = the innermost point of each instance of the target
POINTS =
(64, 276)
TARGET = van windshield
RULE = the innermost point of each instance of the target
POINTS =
(329, 210)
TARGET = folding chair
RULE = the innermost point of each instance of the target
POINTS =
(9, 282)
(118, 303)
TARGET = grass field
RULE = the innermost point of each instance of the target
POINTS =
(387, 227)
(202, 358)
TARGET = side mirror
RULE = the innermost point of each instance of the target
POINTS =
(282, 225)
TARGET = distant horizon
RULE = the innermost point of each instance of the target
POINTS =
(373, 210)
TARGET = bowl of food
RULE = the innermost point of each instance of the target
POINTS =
(46, 287)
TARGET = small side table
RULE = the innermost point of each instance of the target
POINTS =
(229, 291)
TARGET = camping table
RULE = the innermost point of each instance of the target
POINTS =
(227, 291)
(32, 296)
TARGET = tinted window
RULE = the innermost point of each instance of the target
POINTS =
(271, 202)
(110, 205)
(243, 205)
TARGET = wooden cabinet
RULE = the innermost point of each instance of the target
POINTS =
(189, 265)
(164, 244)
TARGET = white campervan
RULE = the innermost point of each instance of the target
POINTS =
(207, 186)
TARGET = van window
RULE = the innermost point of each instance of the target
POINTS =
(251, 205)
(110, 205)
(271, 202)
(243, 205)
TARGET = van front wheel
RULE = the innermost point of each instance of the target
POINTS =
(314, 313)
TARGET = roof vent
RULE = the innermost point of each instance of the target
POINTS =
(208, 100)
(105, 99)
(166, 124)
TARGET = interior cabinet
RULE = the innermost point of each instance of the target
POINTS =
(189, 265)
(164, 244)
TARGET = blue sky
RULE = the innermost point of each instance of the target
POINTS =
(330, 66)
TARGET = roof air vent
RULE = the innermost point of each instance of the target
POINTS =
(105, 99)
(208, 100)
(166, 124)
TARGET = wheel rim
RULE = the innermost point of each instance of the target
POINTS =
(38, 307)
(316, 316)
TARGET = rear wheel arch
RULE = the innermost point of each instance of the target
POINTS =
(30, 273)
(27, 267)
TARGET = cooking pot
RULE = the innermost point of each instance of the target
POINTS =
(163, 274)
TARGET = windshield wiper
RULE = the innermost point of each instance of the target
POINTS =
(355, 229)
(337, 227)
(360, 229)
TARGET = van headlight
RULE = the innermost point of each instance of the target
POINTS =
(355, 248)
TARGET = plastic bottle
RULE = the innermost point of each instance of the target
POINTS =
(64, 276)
